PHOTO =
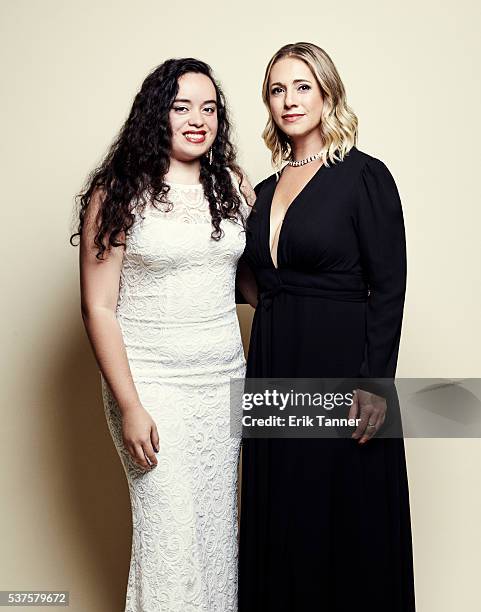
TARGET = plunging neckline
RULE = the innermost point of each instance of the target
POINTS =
(282, 223)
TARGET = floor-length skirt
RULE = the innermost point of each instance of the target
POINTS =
(184, 511)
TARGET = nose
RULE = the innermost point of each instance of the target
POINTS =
(196, 118)
(289, 99)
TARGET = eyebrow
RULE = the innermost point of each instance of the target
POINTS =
(294, 81)
(185, 100)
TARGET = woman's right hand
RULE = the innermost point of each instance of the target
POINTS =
(140, 437)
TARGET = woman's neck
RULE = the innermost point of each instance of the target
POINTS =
(305, 146)
(185, 172)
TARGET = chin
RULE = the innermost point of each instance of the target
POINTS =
(296, 133)
(190, 154)
(300, 131)
(197, 151)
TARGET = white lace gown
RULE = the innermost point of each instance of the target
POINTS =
(177, 313)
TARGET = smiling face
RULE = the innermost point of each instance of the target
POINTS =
(295, 98)
(193, 117)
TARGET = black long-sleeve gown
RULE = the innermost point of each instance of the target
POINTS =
(325, 523)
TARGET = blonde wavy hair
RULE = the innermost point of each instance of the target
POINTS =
(338, 122)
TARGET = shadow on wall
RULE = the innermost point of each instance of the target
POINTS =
(245, 313)
(99, 499)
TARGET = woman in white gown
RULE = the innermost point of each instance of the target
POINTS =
(161, 226)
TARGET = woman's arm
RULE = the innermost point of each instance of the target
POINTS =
(246, 284)
(380, 226)
(99, 286)
(383, 252)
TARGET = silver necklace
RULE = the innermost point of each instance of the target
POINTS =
(303, 162)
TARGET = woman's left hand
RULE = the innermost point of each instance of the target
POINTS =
(371, 409)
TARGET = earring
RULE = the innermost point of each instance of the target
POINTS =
(209, 157)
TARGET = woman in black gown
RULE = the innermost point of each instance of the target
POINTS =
(325, 523)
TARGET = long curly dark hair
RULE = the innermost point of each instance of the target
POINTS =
(132, 173)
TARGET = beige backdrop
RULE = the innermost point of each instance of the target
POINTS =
(70, 71)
